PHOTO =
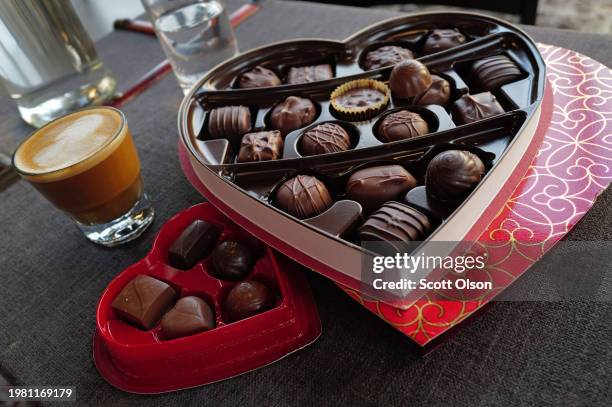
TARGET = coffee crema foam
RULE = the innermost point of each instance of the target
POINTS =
(69, 141)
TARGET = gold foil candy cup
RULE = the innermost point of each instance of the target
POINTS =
(359, 113)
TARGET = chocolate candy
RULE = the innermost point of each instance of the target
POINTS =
(470, 108)
(490, 73)
(293, 113)
(438, 93)
(248, 298)
(189, 316)
(229, 122)
(258, 77)
(303, 196)
(409, 79)
(143, 301)
(360, 98)
(453, 174)
(373, 186)
(386, 56)
(233, 260)
(193, 245)
(261, 146)
(395, 225)
(442, 39)
(401, 125)
(325, 138)
(306, 74)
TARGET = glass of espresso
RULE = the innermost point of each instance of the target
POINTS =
(86, 164)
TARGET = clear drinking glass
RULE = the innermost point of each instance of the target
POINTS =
(195, 35)
(86, 164)
(48, 63)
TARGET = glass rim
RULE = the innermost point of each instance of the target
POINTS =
(117, 133)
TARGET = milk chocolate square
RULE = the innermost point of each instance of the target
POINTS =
(194, 244)
(261, 146)
(306, 74)
(143, 301)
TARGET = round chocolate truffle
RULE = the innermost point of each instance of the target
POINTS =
(248, 298)
(437, 94)
(409, 79)
(233, 260)
(303, 196)
(293, 113)
(401, 125)
(325, 138)
(386, 56)
(442, 39)
(258, 77)
(373, 186)
(453, 174)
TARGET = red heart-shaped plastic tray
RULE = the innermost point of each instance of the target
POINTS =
(143, 362)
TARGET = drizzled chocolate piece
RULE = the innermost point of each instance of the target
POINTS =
(395, 225)
(442, 39)
(325, 138)
(386, 56)
(229, 122)
(293, 113)
(374, 186)
(260, 146)
(401, 125)
(193, 245)
(470, 108)
(189, 316)
(233, 260)
(409, 79)
(303, 196)
(143, 301)
(490, 73)
(248, 298)
(258, 77)
(306, 74)
(438, 93)
(453, 174)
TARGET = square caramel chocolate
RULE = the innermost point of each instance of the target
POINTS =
(261, 146)
(306, 74)
(143, 301)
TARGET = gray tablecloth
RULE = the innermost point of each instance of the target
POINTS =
(514, 353)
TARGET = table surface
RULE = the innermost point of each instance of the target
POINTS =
(525, 353)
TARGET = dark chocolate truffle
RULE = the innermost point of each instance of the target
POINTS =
(438, 93)
(303, 196)
(248, 298)
(409, 79)
(189, 316)
(453, 174)
(401, 125)
(490, 73)
(374, 186)
(261, 146)
(258, 77)
(470, 108)
(194, 244)
(307, 74)
(233, 260)
(325, 138)
(229, 122)
(442, 39)
(293, 113)
(395, 224)
(386, 56)
(143, 301)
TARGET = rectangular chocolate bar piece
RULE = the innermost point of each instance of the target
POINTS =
(306, 74)
(143, 301)
(194, 244)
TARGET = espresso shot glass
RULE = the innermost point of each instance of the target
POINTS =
(85, 163)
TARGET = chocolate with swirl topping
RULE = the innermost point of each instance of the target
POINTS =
(292, 113)
(471, 108)
(453, 174)
(303, 196)
(373, 186)
(395, 224)
(325, 138)
(401, 125)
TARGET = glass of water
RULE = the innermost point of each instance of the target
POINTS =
(196, 35)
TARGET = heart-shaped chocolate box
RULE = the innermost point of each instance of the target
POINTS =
(246, 191)
(145, 361)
